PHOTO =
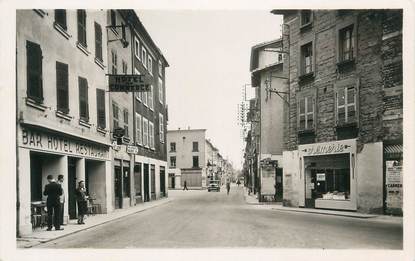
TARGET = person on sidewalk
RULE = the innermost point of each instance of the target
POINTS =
(53, 190)
(185, 185)
(82, 200)
(61, 199)
(228, 187)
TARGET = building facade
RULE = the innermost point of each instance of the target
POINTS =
(272, 87)
(62, 108)
(343, 145)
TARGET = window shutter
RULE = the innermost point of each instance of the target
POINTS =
(98, 41)
(83, 99)
(60, 18)
(34, 71)
(101, 108)
(62, 87)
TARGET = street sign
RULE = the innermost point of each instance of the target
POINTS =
(115, 146)
(129, 83)
(132, 149)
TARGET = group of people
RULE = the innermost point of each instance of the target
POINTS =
(56, 201)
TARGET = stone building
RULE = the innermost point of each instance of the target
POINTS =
(343, 146)
(271, 85)
(62, 109)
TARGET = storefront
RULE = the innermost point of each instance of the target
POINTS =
(43, 152)
(327, 172)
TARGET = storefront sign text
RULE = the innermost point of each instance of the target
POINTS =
(51, 142)
(324, 149)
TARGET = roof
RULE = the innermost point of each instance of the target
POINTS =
(254, 52)
(284, 11)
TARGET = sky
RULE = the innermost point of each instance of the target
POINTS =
(209, 53)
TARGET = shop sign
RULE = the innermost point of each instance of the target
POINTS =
(321, 176)
(115, 146)
(132, 149)
(393, 182)
(55, 143)
(326, 148)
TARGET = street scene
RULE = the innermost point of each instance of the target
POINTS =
(278, 128)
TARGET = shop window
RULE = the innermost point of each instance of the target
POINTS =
(172, 146)
(137, 179)
(98, 41)
(346, 105)
(306, 113)
(83, 99)
(139, 133)
(172, 161)
(195, 161)
(34, 72)
(307, 59)
(125, 114)
(332, 184)
(346, 44)
(60, 18)
(62, 92)
(195, 146)
(81, 19)
(101, 122)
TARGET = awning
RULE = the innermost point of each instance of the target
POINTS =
(393, 151)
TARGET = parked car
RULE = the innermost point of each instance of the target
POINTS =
(214, 185)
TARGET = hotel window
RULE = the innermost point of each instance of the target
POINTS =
(161, 129)
(139, 133)
(306, 113)
(98, 42)
(173, 161)
(125, 114)
(101, 123)
(115, 116)
(160, 68)
(83, 99)
(113, 62)
(34, 72)
(150, 65)
(150, 98)
(62, 87)
(346, 105)
(144, 57)
(137, 48)
(124, 67)
(306, 17)
(81, 17)
(195, 146)
(151, 134)
(160, 88)
(145, 132)
(60, 18)
(195, 161)
(346, 41)
(307, 58)
(172, 146)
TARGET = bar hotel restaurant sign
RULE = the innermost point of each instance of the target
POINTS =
(50, 142)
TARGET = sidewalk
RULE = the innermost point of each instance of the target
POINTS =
(252, 199)
(41, 235)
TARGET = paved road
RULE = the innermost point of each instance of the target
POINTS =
(202, 219)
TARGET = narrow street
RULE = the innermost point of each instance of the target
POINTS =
(197, 218)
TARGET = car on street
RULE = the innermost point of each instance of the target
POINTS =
(214, 185)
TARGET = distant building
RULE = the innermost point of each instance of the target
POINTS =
(343, 145)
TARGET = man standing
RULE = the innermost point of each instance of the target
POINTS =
(61, 200)
(185, 185)
(53, 190)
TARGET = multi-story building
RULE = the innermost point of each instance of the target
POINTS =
(251, 154)
(62, 108)
(140, 162)
(343, 145)
(272, 88)
(188, 154)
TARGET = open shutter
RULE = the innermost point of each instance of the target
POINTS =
(34, 71)
(101, 109)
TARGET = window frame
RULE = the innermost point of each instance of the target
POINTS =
(60, 67)
(195, 149)
(175, 162)
(81, 27)
(348, 21)
(151, 135)
(57, 21)
(139, 129)
(307, 95)
(114, 61)
(150, 65)
(143, 56)
(145, 133)
(161, 90)
(161, 127)
(150, 98)
(193, 161)
(98, 42)
(125, 122)
(160, 68)
(115, 116)
(138, 94)
(302, 12)
(303, 60)
(345, 85)
(137, 48)
(101, 109)
(172, 145)
(85, 98)
(34, 69)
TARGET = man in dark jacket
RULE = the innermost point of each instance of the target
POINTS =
(53, 190)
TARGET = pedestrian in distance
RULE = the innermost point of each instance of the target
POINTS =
(53, 191)
(185, 185)
(82, 200)
(61, 199)
(238, 182)
(228, 187)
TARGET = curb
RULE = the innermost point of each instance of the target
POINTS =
(329, 213)
(105, 222)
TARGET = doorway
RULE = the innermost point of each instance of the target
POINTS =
(71, 188)
(146, 183)
(172, 184)
(117, 187)
(279, 185)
